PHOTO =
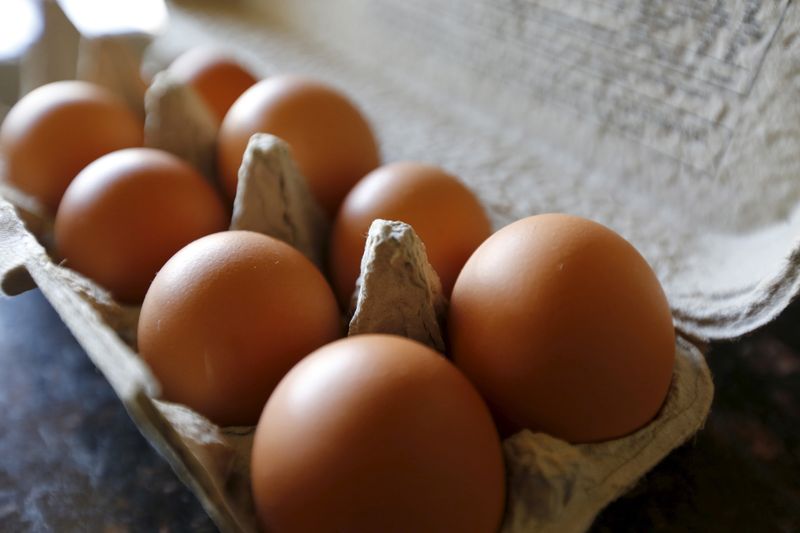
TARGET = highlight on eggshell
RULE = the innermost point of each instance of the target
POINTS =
(374, 432)
(128, 212)
(227, 317)
(564, 328)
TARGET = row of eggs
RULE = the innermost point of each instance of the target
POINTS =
(555, 323)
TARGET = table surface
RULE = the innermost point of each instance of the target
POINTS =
(72, 460)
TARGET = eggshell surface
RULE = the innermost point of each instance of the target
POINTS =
(444, 213)
(128, 212)
(227, 317)
(330, 139)
(564, 328)
(377, 433)
(218, 78)
(54, 131)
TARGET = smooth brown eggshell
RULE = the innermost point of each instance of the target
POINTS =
(54, 131)
(564, 328)
(127, 213)
(227, 317)
(377, 433)
(330, 139)
(218, 78)
(444, 213)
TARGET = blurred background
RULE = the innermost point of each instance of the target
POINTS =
(22, 22)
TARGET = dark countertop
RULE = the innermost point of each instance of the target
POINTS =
(72, 460)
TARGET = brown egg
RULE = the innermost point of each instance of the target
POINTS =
(125, 215)
(219, 79)
(564, 328)
(227, 317)
(445, 214)
(56, 130)
(330, 139)
(377, 433)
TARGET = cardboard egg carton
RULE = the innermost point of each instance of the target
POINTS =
(553, 485)
(688, 151)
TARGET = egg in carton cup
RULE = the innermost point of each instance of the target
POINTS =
(552, 485)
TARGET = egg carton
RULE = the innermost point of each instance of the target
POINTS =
(552, 485)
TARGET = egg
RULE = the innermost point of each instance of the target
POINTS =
(331, 141)
(218, 78)
(564, 328)
(377, 433)
(227, 317)
(128, 212)
(444, 213)
(57, 129)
